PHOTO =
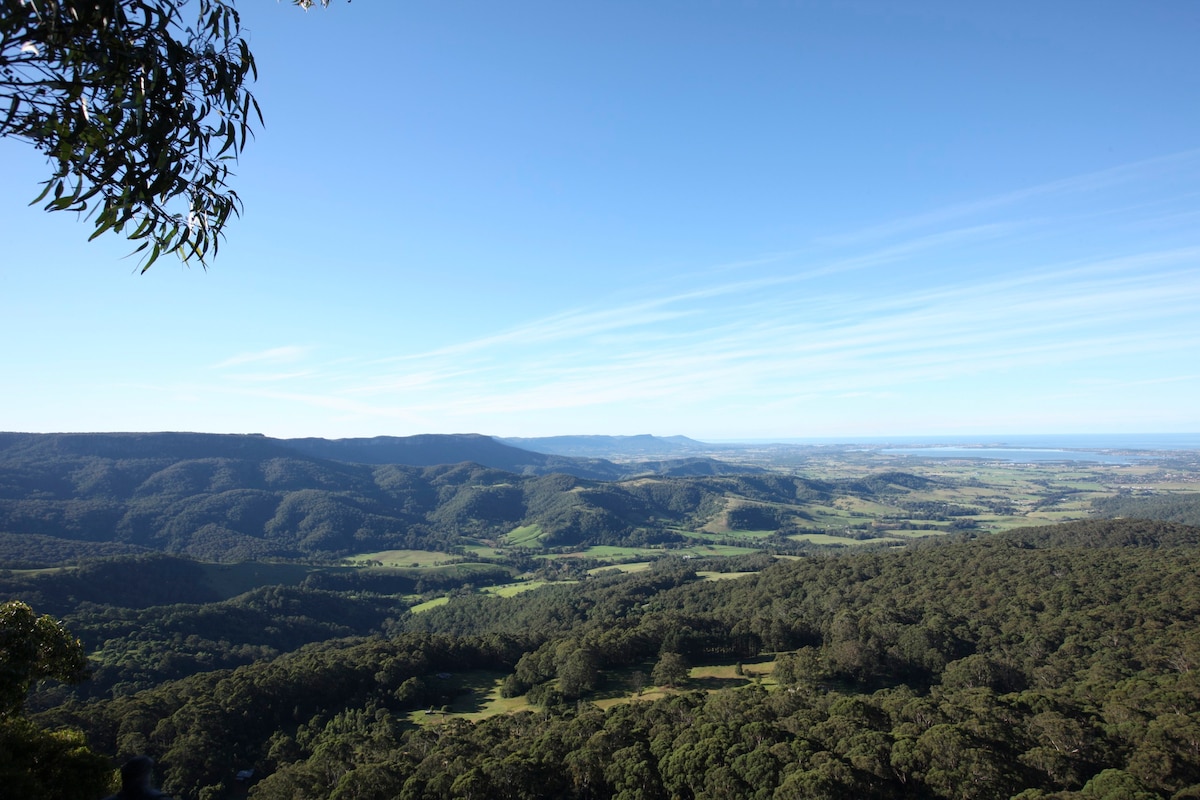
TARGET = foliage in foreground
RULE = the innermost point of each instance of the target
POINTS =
(35, 762)
(140, 106)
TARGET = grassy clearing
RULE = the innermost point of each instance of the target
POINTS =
(483, 551)
(476, 695)
(1066, 515)
(510, 589)
(621, 556)
(523, 536)
(717, 550)
(404, 558)
(613, 552)
(911, 534)
(705, 677)
(636, 566)
(709, 575)
(428, 604)
(760, 667)
(826, 539)
(749, 534)
(613, 555)
(870, 508)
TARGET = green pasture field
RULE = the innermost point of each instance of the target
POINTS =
(824, 517)
(759, 667)
(404, 558)
(477, 692)
(484, 551)
(523, 536)
(1085, 483)
(909, 535)
(510, 589)
(732, 534)
(826, 539)
(608, 553)
(1001, 524)
(616, 556)
(750, 537)
(863, 507)
(709, 575)
(1038, 493)
(711, 546)
(476, 696)
(715, 550)
(635, 566)
(428, 604)
(1181, 486)
(1048, 517)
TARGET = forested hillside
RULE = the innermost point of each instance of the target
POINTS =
(478, 645)
(236, 498)
(429, 450)
(1053, 662)
(1183, 508)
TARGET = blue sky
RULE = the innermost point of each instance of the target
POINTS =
(724, 219)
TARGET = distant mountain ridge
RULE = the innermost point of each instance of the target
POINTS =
(167, 444)
(242, 497)
(422, 450)
(610, 446)
(427, 450)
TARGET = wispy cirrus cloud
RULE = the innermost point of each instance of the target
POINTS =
(1142, 171)
(288, 354)
(975, 310)
(797, 343)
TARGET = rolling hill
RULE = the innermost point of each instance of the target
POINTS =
(236, 498)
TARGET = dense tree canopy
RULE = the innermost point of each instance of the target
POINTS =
(32, 648)
(36, 762)
(139, 105)
(1057, 662)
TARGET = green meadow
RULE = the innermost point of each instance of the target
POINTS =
(524, 536)
(402, 558)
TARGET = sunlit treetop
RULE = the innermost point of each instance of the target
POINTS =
(33, 648)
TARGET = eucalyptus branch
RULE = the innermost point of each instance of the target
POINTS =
(139, 113)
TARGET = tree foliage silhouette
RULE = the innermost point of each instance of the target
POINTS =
(140, 106)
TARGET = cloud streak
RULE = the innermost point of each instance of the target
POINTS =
(867, 321)
(1138, 172)
(275, 355)
(844, 344)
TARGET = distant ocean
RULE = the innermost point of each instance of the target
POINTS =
(1041, 441)
(1092, 447)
